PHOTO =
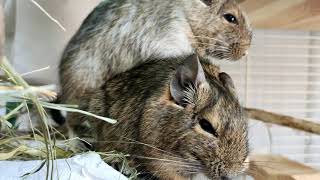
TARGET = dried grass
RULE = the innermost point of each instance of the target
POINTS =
(40, 143)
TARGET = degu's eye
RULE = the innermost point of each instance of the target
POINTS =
(206, 126)
(230, 18)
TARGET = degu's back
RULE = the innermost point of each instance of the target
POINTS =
(176, 118)
(120, 34)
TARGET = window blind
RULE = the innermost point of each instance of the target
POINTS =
(282, 74)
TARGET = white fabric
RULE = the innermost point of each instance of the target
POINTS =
(87, 166)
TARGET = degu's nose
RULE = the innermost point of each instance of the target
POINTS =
(225, 178)
(245, 53)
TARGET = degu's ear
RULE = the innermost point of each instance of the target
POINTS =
(227, 82)
(188, 77)
(209, 2)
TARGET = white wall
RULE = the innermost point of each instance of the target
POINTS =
(38, 41)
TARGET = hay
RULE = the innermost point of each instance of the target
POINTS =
(45, 143)
(42, 143)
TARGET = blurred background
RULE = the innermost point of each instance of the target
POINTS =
(281, 73)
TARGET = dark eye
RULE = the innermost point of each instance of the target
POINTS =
(230, 18)
(206, 126)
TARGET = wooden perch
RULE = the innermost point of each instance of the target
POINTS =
(282, 14)
(283, 120)
(273, 167)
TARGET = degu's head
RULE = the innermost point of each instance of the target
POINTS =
(220, 29)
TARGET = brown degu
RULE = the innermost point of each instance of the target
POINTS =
(120, 34)
(174, 122)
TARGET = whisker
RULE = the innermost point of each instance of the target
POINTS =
(164, 160)
(223, 50)
(177, 166)
(201, 43)
(169, 154)
(152, 146)
(211, 39)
